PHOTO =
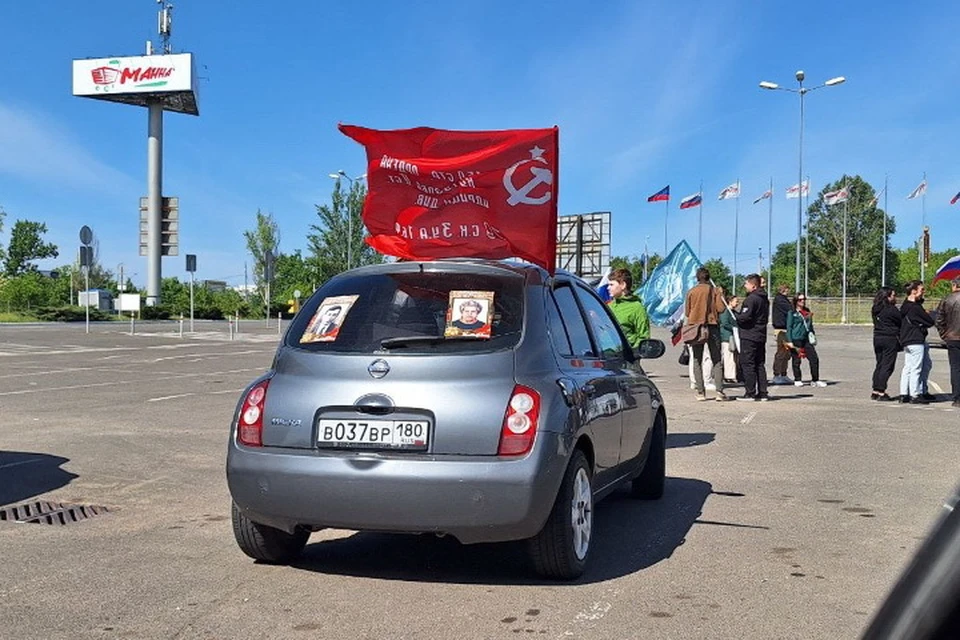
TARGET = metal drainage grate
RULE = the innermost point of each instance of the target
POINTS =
(50, 513)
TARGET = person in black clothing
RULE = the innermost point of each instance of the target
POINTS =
(752, 320)
(886, 340)
(781, 309)
(948, 325)
(916, 354)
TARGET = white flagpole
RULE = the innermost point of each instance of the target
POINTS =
(843, 311)
(806, 245)
(700, 233)
(883, 258)
(646, 258)
(770, 239)
(666, 215)
(923, 224)
(736, 236)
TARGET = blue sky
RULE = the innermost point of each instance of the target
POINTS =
(645, 94)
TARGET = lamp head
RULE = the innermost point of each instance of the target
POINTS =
(834, 81)
(800, 76)
(769, 85)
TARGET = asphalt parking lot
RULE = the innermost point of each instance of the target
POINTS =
(787, 519)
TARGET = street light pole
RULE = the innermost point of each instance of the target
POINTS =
(803, 91)
(336, 176)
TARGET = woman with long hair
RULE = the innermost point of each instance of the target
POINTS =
(886, 340)
(802, 341)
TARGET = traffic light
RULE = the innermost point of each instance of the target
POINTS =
(926, 245)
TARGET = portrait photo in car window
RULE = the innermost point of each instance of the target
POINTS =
(469, 314)
(326, 322)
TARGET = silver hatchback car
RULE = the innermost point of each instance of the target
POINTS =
(485, 400)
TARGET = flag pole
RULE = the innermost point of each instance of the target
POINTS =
(646, 258)
(923, 225)
(666, 215)
(736, 235)
(770, 239)
(806, 245)
(700, 232)
(843, 311)
(883, 258)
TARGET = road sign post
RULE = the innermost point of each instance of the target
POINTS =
(86, 259)
(191, 268)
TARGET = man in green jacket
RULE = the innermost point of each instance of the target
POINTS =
(627, 308)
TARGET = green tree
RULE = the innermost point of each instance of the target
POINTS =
(27, 245)
(908, 268)
(25, 292)
(634, 265)
(783, 268)
(3, 253)
(720, 274)
(264, 238)
(865, 241)
(339, 236)
(293, 273)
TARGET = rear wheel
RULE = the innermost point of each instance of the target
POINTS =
(264, 543)
(561, 548)
(649, 484)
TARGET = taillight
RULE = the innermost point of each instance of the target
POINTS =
(520, 422)
(250, 423)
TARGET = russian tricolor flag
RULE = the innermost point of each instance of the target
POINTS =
(949, 270)
(660, 196)
(691, 201)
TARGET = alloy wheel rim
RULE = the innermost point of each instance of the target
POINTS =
(581, 513)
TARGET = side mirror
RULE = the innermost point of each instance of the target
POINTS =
(650, 349)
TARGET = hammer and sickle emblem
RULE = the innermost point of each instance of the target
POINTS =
(540, 175)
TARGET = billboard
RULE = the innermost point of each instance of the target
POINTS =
(138, 80)
(583, 244)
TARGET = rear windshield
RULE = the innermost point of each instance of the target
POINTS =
(446, 312)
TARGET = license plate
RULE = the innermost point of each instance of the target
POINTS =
(372, 434)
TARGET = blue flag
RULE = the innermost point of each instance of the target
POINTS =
(665, 290)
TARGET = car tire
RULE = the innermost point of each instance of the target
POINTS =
(561, 549)
(264, 543)
(649, 484)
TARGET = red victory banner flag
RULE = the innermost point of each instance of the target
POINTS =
(445, 194)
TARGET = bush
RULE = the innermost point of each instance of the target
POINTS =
(71, 314)
(155, 313)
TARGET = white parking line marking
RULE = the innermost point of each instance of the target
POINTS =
(179, 395)
(125, 382)
(214, 393)
(749, 418)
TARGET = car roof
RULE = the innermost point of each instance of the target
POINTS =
(513, 266)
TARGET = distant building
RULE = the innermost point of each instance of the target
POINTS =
(214, 286)
(99, 299)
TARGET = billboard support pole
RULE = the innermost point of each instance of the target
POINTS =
(579, 262)
(154, 200)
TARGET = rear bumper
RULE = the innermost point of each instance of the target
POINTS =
(473, 498)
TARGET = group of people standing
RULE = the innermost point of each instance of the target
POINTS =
(733, 334)
(905, 329)
(730, 336)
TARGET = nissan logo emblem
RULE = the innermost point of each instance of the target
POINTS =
(378, 368)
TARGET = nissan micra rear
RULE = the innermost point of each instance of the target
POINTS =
(485, 400)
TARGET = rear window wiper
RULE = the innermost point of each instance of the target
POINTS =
(400, 341)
